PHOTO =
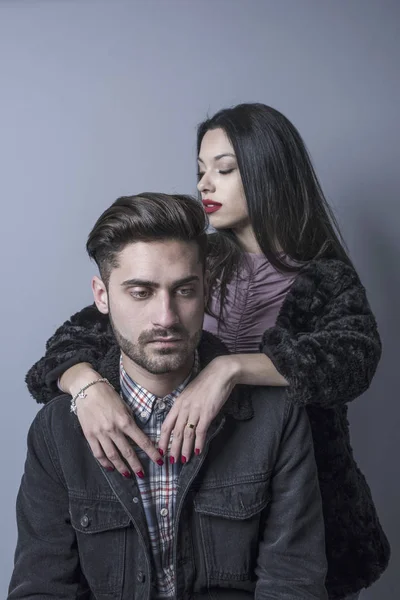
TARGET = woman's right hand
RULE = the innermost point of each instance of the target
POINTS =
(106, 422)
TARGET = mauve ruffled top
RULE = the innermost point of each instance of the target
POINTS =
(251, 306)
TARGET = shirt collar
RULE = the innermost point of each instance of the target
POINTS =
(141, 401)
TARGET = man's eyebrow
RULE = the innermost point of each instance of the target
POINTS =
(139, 283)
(185, 280)
(148, 283)
(219, 156)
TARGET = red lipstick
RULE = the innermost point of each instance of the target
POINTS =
(210, 206)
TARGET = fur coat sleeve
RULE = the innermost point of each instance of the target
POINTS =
(325, 342)
(85, 337)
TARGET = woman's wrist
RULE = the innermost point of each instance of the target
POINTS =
(228, 367)
(252, 369)
(74, 378)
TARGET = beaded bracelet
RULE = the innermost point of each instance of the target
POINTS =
(82, 394)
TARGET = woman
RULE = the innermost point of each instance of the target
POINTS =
(286, 301)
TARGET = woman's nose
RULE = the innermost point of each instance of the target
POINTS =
(205, 184)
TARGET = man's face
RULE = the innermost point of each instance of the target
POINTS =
(155, 300)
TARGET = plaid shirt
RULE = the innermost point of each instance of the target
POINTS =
(159, 485)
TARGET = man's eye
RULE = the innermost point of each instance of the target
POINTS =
(186, 291)
(140, 294)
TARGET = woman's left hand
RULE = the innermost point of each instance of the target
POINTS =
(198, 405)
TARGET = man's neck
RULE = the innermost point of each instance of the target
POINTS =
(159, 385)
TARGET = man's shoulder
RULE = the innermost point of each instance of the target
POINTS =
(60, 403)
(56, 418)
(269, 407)
(272, 413)
(270, 402)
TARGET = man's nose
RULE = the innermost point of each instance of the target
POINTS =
(166, 313)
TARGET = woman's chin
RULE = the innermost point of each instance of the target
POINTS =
(218, 222)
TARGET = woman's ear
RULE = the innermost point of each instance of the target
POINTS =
(100, 294)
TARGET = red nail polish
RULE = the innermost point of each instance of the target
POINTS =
(160, 462)
(126, 474)
(183, 459)
(161, 451)
(197, 451)
(140, 474)
(171, 460)
(109, 468)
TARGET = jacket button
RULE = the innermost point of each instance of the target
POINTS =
(140, 577)
(84, 521)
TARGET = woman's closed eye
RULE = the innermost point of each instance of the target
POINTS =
(201, 174)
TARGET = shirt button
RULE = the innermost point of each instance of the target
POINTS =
(84, 521)
(164, 512)
(143, 414)
(161, 405)
(135, 499)
(140, 577)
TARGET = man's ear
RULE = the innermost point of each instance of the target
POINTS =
(100, 294)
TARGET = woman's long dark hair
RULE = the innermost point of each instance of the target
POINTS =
(287, 208)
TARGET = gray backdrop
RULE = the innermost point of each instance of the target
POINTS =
(101, 98)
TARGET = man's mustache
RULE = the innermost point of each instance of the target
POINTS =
(176, 331)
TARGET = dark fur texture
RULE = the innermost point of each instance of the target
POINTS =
(326, 344)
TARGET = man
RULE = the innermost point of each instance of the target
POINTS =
(243, 519)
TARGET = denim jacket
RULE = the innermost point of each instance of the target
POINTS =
(248, 521)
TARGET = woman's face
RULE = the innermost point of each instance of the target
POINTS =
(220, 183)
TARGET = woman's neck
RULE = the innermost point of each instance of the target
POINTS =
(247, 240)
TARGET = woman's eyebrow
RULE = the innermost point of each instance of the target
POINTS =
(219, 156)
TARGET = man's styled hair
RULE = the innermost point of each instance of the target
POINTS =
(147, 217)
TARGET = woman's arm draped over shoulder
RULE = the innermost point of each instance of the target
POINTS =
(324, 348)
(326, 342)
(85, 337)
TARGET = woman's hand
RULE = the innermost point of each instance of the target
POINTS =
(198, 405)
(106, 423)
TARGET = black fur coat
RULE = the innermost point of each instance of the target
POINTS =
(326, 344)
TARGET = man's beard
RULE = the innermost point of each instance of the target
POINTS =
(159, 360)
